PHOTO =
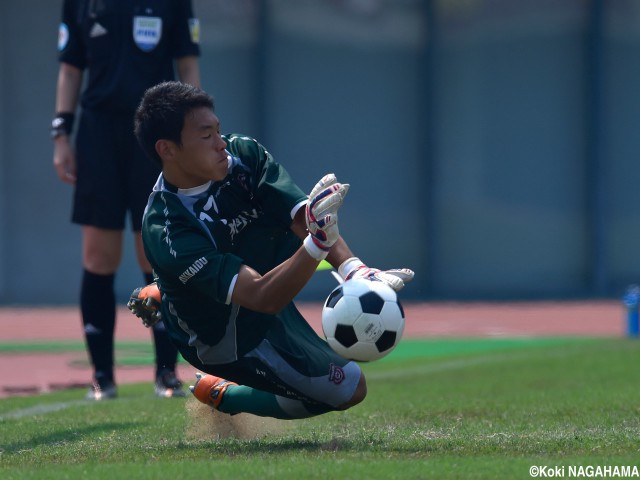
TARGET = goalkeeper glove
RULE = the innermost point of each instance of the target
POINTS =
(322, 215)
(395, 278)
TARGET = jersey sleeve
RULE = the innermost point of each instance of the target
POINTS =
(71, 48)
(184, 257)
(185, 37)
(204, 271)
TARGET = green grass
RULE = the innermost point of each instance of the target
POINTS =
(436, 409)
(129, 353)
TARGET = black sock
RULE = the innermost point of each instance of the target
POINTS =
(98, 308)
(166, 352)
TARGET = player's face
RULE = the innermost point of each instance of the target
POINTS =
(202, 156)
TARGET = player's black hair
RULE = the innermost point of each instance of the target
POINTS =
(162, 111)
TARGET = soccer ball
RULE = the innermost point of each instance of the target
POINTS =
(363, 320)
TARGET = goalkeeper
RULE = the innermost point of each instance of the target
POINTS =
(232, 240)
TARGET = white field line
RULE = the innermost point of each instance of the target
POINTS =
(400, 372)
(43, 409)
(430, 369)
(460, 363)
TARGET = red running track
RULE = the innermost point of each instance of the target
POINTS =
(25, 373)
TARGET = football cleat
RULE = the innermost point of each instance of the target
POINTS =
(210, 389)
(145, 304)
(168, 385)
(99, 392)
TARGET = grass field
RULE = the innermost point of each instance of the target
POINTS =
(436, 409)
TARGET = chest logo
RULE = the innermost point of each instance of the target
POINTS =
(97, 31)
(147, 32)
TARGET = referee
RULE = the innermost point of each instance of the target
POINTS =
(125, 46)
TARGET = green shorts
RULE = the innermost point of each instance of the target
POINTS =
(294, 362)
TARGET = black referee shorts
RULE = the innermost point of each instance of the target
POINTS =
(113, 174)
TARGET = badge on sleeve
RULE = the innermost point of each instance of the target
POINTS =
(147, 32)
(194, 29)
(63, 36)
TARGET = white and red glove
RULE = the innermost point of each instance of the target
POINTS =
(395, 278)
(322, 215)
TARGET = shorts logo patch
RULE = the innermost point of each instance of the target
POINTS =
(63, 36)
(336, 374)
(147, 32)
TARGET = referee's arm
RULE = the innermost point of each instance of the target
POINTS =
(68, 89)
(67, 94)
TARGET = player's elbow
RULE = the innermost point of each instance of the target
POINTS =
(260, 293)
(272, 308)
(269, 301)
(265, 303)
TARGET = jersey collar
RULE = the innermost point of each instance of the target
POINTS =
(185, 191)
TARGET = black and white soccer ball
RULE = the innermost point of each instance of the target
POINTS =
(363, 320)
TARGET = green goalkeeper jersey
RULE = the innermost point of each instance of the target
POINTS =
(196, 240)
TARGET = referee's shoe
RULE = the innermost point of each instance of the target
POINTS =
(168, 385)
(102, 390)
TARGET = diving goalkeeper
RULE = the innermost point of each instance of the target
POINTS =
(232, 240)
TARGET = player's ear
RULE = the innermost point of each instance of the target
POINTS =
(166, 149)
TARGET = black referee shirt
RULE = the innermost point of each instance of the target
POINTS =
(126, 45)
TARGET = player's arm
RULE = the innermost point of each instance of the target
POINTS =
(271, 292)
(339, 252)
(67, 93)
(349, 266)
(189, 70)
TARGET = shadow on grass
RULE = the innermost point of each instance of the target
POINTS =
(273, 446)
(64, 437)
